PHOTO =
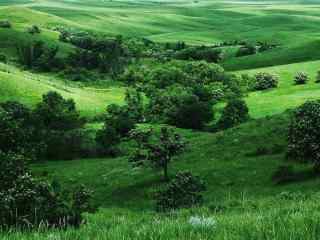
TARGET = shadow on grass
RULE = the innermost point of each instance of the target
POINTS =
(286, 175)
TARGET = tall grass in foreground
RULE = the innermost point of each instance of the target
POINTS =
(283, 219)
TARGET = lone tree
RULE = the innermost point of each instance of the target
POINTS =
(304, 134)
(156, 150)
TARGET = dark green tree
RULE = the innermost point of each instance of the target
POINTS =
(235, 113)
(156, 150)
(304, 134)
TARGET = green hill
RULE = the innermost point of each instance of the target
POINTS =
(28, 88)
(237, 164)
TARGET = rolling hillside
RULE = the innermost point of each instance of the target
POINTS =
(28, 88)
(237, 164)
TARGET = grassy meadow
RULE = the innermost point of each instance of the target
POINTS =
(242, 200)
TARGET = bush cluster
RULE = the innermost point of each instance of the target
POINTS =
(51, 131)
(5, 24)
(199, 53)
(304, 133)
(3, 58)
(248, 49)
(183, 94)
(39, 56)
(34, 29)
(301, 78)
(235, 113)
(119, 121)
(266, 81)
(26, 202)
(183, 191)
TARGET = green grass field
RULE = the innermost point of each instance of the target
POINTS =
(28, 88)
(241, 196)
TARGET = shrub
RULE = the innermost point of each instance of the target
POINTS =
(318, 77)
(119, 121)
(64, 36)
(301, 78)
(106, 55)
(304, 134)
(134, 105)
(162, 101)
(5, 24)
(199, 53)
(283, 174)
(34, 29)
(132, 77)
(191, 113)
(183, 191)
(78, 74)
(183, 107)
(26, 202)
(248, 49)
(203, 73)
(56, 120)
(235, 113)
(163, 77)
(67, 145)
(119, 118)
(266, 81)
(3, 58)
(248, 81)
(107, 140)
(39, 56)
(16, 129)
(57, 113)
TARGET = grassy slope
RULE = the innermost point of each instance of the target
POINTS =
(292, 26)
(226, 160)
(28, 88)
(287, 95)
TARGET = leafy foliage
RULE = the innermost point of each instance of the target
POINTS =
(119, 121)
(248, 49)
(266, 81)
(26, 202)
(199, 53)
(157, 151)
(304, 133)
(235, 113)
(34, 29)
(16, 128)
(301, 78)
(57, 113)
(191, 113)
(37, 55)
(3, 58)
(183, 191)
(5, 24)
(107, 55)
